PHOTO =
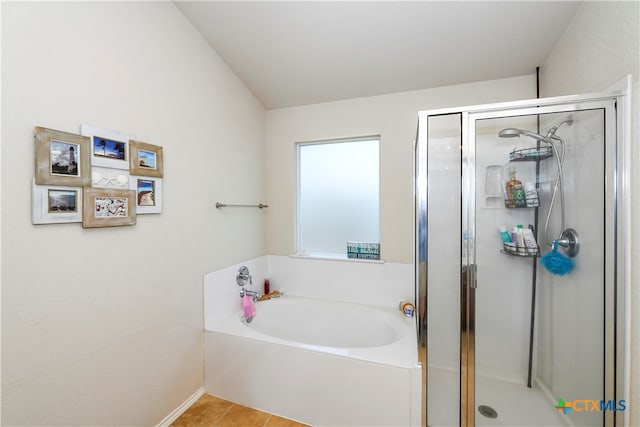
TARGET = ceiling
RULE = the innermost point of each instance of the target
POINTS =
(292, 53)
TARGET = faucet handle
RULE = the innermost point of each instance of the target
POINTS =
(243, 276)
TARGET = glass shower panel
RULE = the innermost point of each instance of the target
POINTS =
(442, 266)
(532, 327)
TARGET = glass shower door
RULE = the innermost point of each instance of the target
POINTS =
(540, 325)
(438, 188)
(508, 340)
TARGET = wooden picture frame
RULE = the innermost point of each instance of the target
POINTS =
(55, 204)
(109, 149)
(108, 207)
(148, 194)
(145, 159)
(61, 158)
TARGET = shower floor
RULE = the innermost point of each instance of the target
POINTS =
(516, 404)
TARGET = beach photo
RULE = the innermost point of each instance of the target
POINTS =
(61, 158)
(64, 158)
(146, 192)
(109, 148)
(147, 159)
(55, 204)
(62, 201)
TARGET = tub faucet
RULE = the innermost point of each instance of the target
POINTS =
(253, 294)
(243, 276)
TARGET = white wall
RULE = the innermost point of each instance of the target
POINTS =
(600, 47)
(394, 117)
(104, 326)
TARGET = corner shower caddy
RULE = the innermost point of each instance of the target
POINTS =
(528, 155)
(521, 251)
(532, 154)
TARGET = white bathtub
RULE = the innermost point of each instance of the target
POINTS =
(322, 363)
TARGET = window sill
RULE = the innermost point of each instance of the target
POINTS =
(335, 258)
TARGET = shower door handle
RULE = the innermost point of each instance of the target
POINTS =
(473, 276)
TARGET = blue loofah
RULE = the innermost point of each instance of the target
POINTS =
(556, 263)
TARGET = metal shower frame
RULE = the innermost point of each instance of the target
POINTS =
(618, 192)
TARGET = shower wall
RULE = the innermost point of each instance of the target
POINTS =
(571, 307)
(503, 297)
(600, 46)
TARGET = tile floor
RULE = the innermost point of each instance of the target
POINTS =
(212, 411)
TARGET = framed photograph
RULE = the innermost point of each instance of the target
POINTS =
(62, 158)
(146, 159)
(107, 207)
(109, 178)
(148, 194)
(54, 204)
(109, 149)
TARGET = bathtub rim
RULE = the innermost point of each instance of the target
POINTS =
(401, 353)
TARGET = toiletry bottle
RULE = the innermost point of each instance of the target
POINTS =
(267, 286)
(506, 238)
(515, 192)
(531, 194)
(520, 239)
(529, 241)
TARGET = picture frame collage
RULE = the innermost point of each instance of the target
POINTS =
(99, 177)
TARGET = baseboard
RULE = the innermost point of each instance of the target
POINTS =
(181, 409)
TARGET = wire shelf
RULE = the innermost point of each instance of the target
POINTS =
(530, 154)
(513, 250)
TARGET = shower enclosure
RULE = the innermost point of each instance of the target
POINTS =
(508, 341)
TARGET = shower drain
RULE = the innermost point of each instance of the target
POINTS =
(487, 411)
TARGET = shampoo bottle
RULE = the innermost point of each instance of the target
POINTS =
(520, 239)
(515, 192)
(531, 194)
(506, 238)
(529, 240)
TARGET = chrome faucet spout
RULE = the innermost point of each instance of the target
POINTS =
(253, 294)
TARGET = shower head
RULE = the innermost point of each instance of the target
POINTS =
(551, 134)
(509, 133)
(513, 132)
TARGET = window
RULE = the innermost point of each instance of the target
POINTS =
(338, 195)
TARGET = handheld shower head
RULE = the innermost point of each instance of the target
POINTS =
(509, 133)
(551, 134)
(513, 132)
(554, 129)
